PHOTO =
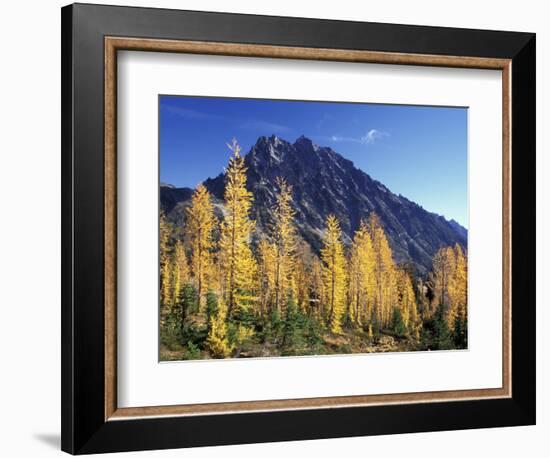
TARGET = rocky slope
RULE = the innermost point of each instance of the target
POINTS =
(324, 182)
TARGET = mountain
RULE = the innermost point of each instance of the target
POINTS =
(170, 196)
(459, 228)
(324, 182)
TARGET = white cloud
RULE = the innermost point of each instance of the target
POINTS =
(372, 135)
(369, 138)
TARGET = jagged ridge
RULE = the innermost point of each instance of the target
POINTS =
(324, 182)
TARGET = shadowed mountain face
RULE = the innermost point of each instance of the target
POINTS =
(325, 182)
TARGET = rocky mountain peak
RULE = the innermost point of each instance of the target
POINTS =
(269, 150)
(325, 182)
(305, 143)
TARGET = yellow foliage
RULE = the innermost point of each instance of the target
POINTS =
(200, 226)
(165, 267)
(460, 296)
(361, 289)
(384, 273)
(236, 260)
(367, 284)
(407, 302)
(244, 333)
(217, 340)
(284, 241)
(334, 273)
(444, 284)
(450, 283)
(266, 273)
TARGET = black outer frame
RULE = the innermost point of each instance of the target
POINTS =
(84, 429)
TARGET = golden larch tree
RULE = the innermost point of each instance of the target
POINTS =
(235, 254)
(283, 234)
(406, 301)
(443, 274)
(200, 226)
(334, 273)
(460, 292)
(165, 264)
(217, 341)
(361, 276)
(384, 273)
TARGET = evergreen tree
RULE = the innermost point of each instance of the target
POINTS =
(443, 337)
(273, 327)
(398, 323)
(180, 271)
(211, 304)
(460, 333)
(303, 276)
(334, 273)
(293, 339)
(188, 303)
(317, 290)
(185, 305)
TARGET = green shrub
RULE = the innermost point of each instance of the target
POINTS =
(211, 304)
(192, 351)
(294, 342)
(460, 333)
(399, 327)
(443, 337)
(170, 335)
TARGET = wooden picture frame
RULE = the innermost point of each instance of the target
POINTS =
(91, 419)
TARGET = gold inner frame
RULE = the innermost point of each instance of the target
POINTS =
(114, 44)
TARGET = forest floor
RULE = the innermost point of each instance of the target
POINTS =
(332, 344)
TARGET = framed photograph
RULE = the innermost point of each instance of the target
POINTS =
(281, 228)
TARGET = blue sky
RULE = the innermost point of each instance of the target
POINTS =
(417, 151)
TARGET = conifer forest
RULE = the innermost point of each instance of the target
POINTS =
(228, 291)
